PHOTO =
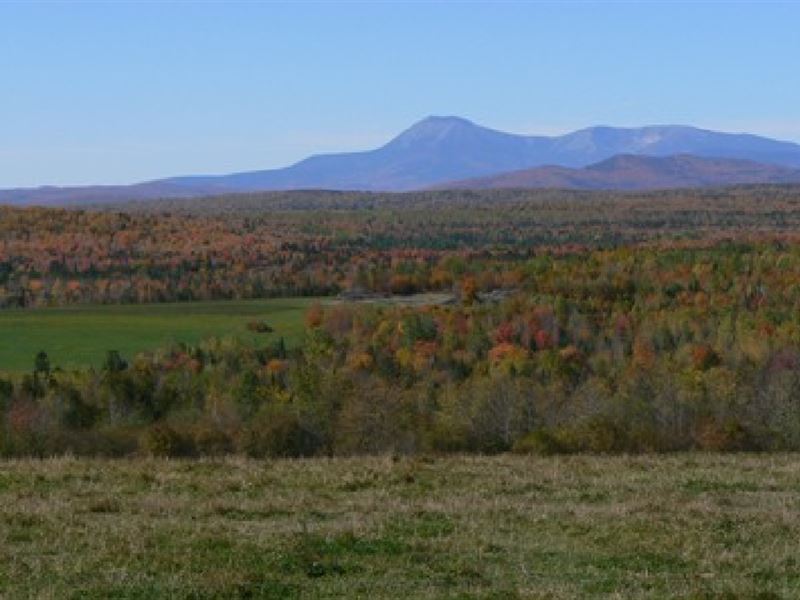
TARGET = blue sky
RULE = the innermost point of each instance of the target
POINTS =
(114, 92)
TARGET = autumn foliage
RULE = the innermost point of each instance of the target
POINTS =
(556, 331)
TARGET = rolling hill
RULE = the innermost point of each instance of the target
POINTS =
(632, 172)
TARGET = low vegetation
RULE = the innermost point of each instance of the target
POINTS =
(682, 526)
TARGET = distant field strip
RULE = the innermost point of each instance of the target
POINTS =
(80, 336)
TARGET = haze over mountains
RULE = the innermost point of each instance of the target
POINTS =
(454, 152)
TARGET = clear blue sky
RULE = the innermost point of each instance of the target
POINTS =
(110, 92)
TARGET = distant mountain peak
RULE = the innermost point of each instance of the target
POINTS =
(446, 148)
(435, 128)
(443, 122)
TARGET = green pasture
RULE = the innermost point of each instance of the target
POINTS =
(79, 336)
(689, 526)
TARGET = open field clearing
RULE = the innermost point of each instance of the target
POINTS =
(687, 526)
(80, 336)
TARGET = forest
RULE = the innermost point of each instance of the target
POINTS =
(323, 243)
(576, 323)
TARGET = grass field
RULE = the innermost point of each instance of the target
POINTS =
(80, 335)
(683, 526)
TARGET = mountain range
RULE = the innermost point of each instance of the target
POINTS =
(454, 152)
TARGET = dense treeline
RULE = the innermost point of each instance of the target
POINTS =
(321, 243)
(617, 350)
(745, 197)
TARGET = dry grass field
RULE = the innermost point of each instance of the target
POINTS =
(684, 526)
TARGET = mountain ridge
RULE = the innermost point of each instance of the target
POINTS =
(436, 150)
(637, 172)
(442, 148)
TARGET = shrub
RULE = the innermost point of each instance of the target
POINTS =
(6, 391)
(277, 433)
(211, 441)
(110, 441)
(314, 316)
(704, 357)
(729, 435)
(599, 434)
(259, 326)
(541, 441)
(163, 440)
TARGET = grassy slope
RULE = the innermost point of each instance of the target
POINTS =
(505, 527)
(81, 335)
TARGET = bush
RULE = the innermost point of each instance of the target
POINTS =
(730, 435)
(110, 442)
(6, 391)
(277, 433)
(599, 435)
(258, 326)
(163, 440)
(541, 441)
(211, 441)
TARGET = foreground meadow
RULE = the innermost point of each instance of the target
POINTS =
(688, 526)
